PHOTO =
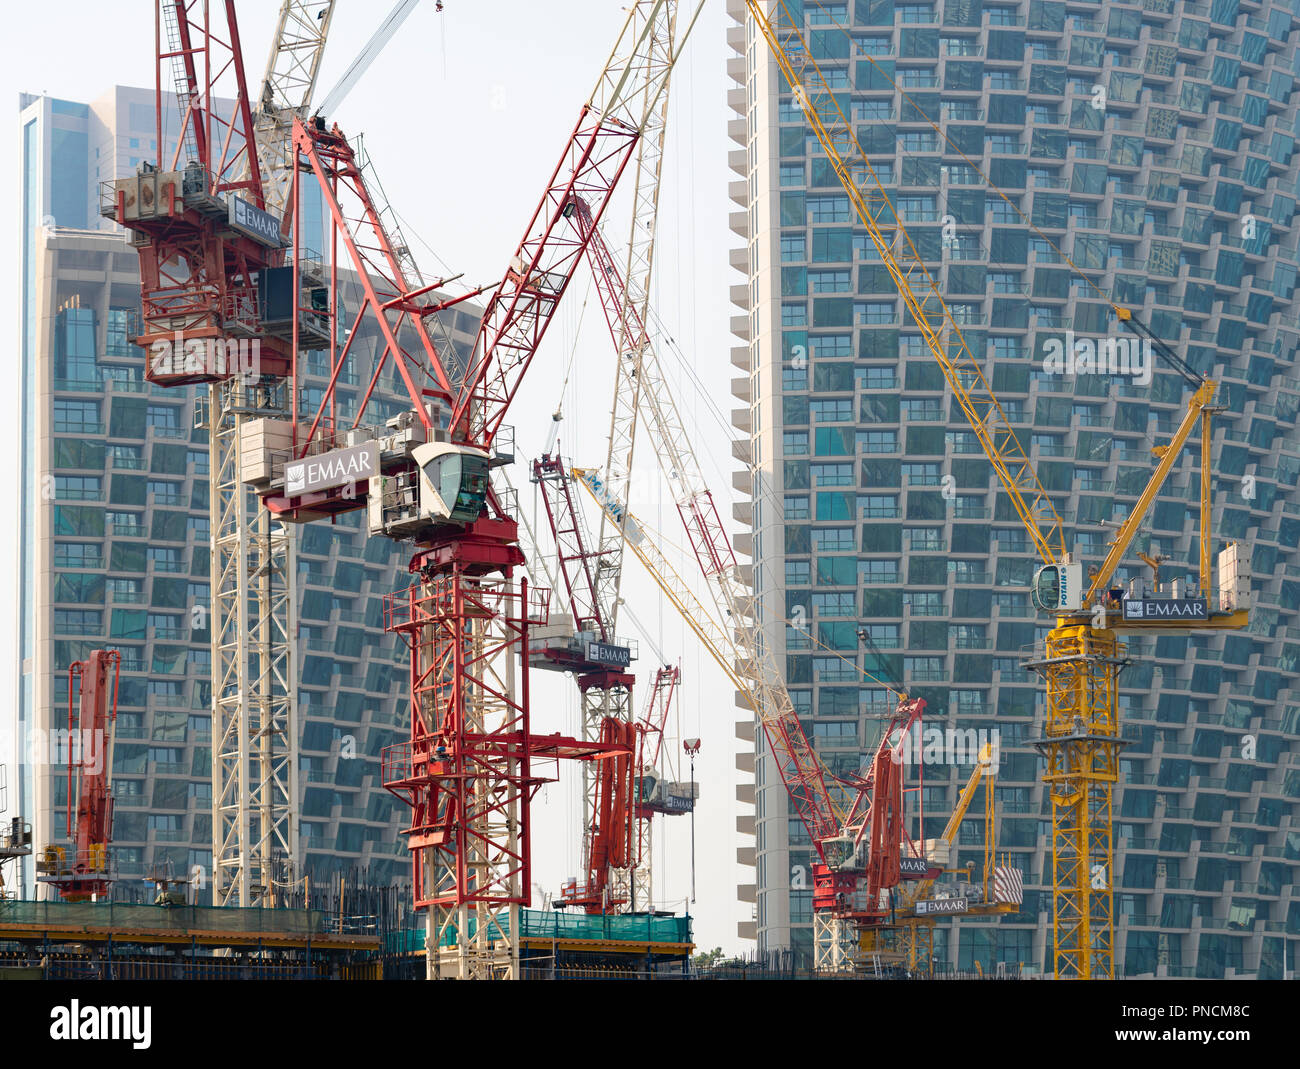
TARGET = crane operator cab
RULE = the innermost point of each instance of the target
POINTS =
(447, 486)
(1058, 587)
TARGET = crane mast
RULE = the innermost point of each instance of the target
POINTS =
(207, 242)
(1082, 657)
(466, 771)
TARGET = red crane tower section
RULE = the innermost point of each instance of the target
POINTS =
(86, 874)
(197, 214)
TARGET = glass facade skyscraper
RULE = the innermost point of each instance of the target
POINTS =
(1153, 144)
(115, 542)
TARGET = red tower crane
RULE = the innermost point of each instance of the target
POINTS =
(86, 874)
(587, 647)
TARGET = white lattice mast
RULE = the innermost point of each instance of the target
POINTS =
(629, 342)
(254, 665)
(287, 89)
(255, 800)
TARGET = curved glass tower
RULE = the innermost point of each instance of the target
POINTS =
(1152, 144)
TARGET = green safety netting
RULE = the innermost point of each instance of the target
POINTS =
(555, 924)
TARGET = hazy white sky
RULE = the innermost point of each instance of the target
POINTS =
(465, 115)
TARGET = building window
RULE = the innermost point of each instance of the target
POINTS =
(794, 443)
(874, 111)
(794, 315)
(829, 14)
(839, 603)
(877, 378)
(924, 603)
(834, 410)
(128, 457)
(78, 555)
(915, 12)
(794, 248)
(825, 475)
(926, 409)
(122, 326)
(832, 346)
(879, 506)
(78, 622)
(878, 571)
(164, 493)
(78, 488)
(875, 46)
(164, 417)
(920, 474)
(798, 573)
(77, 417)
(166, 559)
(833, 539)
(924, 669)
(883, 636)
(796, 508)
(830, 281)
(828, 209)
(125, 590)
(878, 441)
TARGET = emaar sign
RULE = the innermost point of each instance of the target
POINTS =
(1166, 609)
(339, 468)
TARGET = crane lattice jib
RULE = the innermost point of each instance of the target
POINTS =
(573, 554)
(899, 255)
(522, 306)
(633, 300)
(751, 669)
(672, 443)
(655, 717)
(386, 294)
(287, 88)
(1169, 456)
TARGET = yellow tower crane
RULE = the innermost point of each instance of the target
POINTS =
(1082, 656)
(912, 932)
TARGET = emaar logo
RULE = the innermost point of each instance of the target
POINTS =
(76, 1021)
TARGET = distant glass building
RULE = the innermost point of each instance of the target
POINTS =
(115, 542)
(1155, 145)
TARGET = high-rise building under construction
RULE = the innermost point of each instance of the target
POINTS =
(1045, 156)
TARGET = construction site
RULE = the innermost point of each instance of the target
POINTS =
(370, 628)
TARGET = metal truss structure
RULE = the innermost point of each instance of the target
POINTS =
(254, 663)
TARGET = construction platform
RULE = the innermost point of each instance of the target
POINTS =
(114, 940)
(556, 945)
